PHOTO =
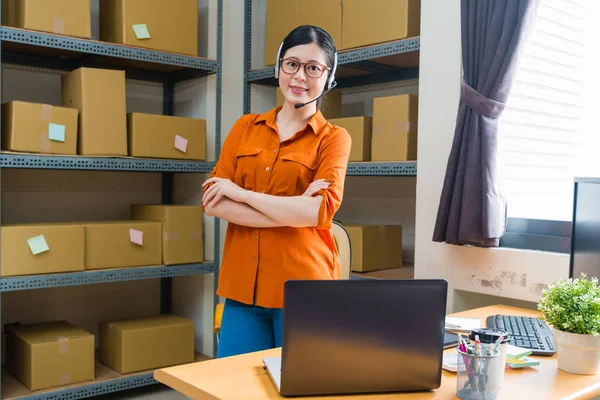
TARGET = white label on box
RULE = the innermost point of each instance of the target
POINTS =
(136, 236)
(181, 143)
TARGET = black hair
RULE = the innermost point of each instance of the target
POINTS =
(306, 34)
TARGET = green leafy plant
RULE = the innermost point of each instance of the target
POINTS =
(572, 305)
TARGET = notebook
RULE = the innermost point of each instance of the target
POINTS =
(462, 324)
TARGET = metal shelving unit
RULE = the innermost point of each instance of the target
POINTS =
(371, 65)
(56, 52)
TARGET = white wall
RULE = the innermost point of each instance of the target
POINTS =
(509, 274)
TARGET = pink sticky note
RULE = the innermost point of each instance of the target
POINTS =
(181, 143)
(136, 236)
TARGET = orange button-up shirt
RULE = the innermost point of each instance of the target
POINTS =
(257, 261)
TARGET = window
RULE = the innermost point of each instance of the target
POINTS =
(548, 131)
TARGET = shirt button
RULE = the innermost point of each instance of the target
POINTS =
(255, 237)
(262, 191)
(268, 169)
(254, 262)
(275, 150)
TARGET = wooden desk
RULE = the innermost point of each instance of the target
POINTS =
(243, 377)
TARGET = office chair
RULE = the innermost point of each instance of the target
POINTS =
(344, 246)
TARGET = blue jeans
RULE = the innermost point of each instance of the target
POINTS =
(247, 328)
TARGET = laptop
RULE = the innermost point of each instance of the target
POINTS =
(360, 336)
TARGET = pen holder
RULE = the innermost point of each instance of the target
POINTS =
(477, 376)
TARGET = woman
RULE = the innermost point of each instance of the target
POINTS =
(279, 182)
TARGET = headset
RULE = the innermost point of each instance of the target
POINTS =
(331, 83)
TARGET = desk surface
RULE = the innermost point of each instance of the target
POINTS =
(243, 377)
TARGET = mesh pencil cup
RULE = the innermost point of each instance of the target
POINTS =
(488, 336)
(477, 376)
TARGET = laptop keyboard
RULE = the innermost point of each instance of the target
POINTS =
(528, 333)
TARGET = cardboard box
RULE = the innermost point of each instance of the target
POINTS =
(366, 23)
(122, 244)
(395, 121)
(375, 247)
(31, 249)
(163, 136)
(360, 129)
(153, 24)
(62, 17)
(39, 128)
(146, 343)
(331, 107)
(182, 241)
(49, 354)
(99, 95)
(283, 16)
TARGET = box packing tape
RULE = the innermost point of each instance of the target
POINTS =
(170, 236)
(196, 234)
(45, 143)
(46, 113)
(59, 26)
(64, 378)
(401, 127)
(63, 345)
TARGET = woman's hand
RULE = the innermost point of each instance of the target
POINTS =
(221, 187)
(315, 186)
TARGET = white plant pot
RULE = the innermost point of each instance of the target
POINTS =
(577, 354)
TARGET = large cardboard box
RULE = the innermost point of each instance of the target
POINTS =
(122, 244)
(163, 136)
(31, 249)
(39, 128)
(182, 241)
(49, 354)
(330, 108)
(395, 121)
(370, 22)
(284, 16)
(99, 95)
(360, 129)
(63, 17)
(375, 247)
(153, 24)
(146, 343)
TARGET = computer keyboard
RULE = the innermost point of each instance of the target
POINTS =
(528, 333)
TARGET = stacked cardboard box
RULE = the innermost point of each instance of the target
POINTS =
(360, 129)
(395, 128)
(62, 17)
(351, 23)
(49, 354)
(375, 247)
(153, 24)
(146, 343)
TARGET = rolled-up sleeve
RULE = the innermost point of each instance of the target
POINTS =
(333, 163)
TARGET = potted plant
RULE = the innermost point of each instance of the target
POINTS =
(572, 308)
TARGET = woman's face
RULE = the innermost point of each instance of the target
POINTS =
(300, 87)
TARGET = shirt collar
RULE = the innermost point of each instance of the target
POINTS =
(317, 122)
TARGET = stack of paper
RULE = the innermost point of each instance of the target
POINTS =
(516, 357)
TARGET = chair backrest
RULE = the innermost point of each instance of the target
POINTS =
(344, 246)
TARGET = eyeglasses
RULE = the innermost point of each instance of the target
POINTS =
(312, 69)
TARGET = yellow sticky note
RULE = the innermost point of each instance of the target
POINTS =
(141, 31)
(38, 244)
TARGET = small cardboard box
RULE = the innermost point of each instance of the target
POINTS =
(182, 239)
(122, 244)
(360, 129)
(375, 247)
(39, 128)
(365, 23)
(31, 249)
(283, 16)
(99, 95)
(49, 354)
(62, 17)
(163, 136)
(146, 343)
(153, 24)
(331, 107)
(395, 121)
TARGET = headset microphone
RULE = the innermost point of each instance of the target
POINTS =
(300, 105)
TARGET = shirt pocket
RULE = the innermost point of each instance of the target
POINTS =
(299, 168)
(247, 164)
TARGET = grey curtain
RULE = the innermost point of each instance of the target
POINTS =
(472, 209)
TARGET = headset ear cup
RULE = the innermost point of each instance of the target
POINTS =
(332, 76)
(277, 61)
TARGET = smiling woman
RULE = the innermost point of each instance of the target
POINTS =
(279, 182)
